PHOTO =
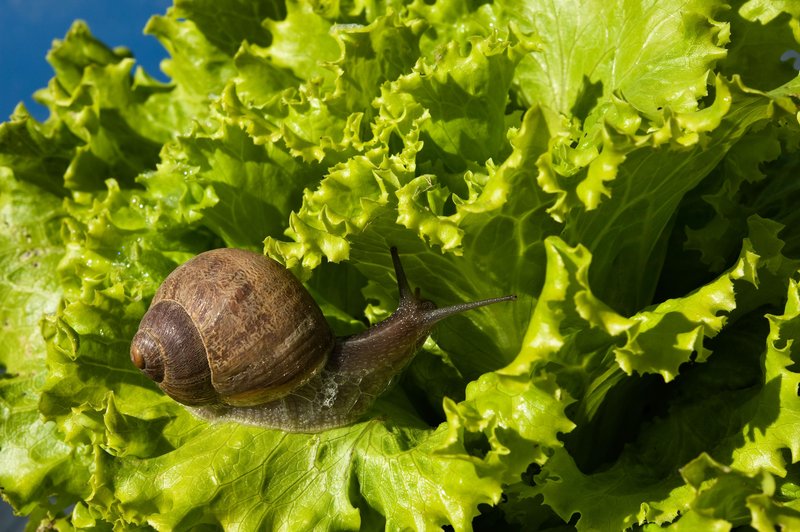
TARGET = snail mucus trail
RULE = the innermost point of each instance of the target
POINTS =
(235, 336)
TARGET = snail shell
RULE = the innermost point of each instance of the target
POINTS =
(236, 336)
(245, 329)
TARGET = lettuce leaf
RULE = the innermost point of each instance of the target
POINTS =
(626, 169)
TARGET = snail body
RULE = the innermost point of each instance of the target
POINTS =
(235, 336)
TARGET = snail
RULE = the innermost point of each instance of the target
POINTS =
(234, 336)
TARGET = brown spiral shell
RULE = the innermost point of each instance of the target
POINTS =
(234, 327)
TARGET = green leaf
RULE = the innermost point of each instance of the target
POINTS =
(226, 27)
(760, 41)
(765, 12)
(301, 42)
(242, 191)
(465, 97)
(31, 250)
(559, 342)
(40, 473)
(120, 119)
(655, 54)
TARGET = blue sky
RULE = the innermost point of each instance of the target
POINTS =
(28, 27)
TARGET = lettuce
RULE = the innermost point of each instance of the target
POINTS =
(628, 169)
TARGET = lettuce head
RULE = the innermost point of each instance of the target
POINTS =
(628, 168)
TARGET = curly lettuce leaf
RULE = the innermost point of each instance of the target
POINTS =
(40, 474)
(31, 250)
(765, 12)
(655, 54)
(648, 466)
